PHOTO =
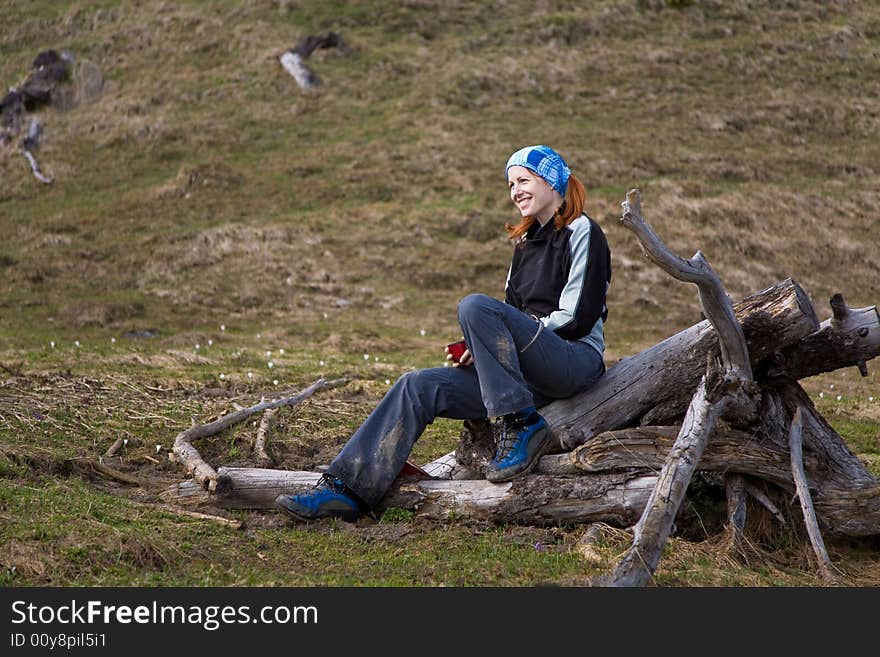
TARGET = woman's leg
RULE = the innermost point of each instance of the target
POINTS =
(372, 459)
(521, 364)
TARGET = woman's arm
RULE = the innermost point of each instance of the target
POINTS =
(582, 301)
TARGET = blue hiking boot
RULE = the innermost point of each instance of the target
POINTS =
(521, 442)
(330, 498)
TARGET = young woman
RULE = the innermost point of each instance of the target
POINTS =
(545, 341)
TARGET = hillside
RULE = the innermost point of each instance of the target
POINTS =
(209, 217)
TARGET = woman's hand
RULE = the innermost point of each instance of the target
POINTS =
(464, 359)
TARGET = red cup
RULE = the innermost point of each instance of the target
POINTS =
(456, 350)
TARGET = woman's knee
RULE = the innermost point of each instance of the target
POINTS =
(475, 304)
(417, 382)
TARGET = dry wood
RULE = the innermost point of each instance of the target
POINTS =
(735, 488)
(112, 473)
(715, 394)
(294, 63)
(714, 300)
(262, 435)
(803, 492)
(850, 338)
(35, 168)
(111, 451)
(296, 66)
(652, 531)
(646, 449)
(226, 522)
(592, 538)
(616, 499)
(654, 386)
(190, 459)
(762, 498)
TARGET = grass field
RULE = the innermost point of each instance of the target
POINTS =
(208, 217)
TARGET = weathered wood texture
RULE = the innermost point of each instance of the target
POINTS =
(850, 338)
(616, 498)
(716, 305)
(190, 459)
(845, 496)
(655, 386)
(806, 500)
(655, 525)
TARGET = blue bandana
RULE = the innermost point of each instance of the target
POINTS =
(544, 161)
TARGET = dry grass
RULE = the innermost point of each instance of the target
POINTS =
(197, 186)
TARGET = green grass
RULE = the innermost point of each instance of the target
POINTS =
(204, 188)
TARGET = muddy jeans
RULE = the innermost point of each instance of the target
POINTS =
(515, 366)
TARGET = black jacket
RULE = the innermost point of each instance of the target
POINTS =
(561, 277)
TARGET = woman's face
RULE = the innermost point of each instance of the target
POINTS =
(532, 195)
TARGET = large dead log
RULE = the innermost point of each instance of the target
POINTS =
(616, 499)
(655, 386)
(850, 338)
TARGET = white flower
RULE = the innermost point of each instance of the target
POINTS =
(222, 376)
(274, 382)
(321, 363)
(839, 397)
(423, 332)
(268, 353)
(198, 346)
(831, 386)
(870, 399)
(376, 359)
(821, 395)
(76, 342)
(387, 382)
(210, 342)
(158, 448)
(125, 441)
(223, 327)
(270, 364)
(250, 375)
(326, 315)
(366, 356)
(113, 340)
(52, 344)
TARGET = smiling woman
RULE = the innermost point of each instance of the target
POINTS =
(545, 341)
(539, 199)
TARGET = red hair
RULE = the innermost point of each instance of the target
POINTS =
(572, 207)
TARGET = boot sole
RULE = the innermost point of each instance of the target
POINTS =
(342, 515)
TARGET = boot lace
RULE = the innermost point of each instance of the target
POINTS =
(506, 435)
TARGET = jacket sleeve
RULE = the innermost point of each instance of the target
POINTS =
(582, 301)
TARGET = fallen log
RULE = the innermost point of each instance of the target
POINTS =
(654, 386)
(616, 499)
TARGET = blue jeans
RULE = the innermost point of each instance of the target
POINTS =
(517, 364)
